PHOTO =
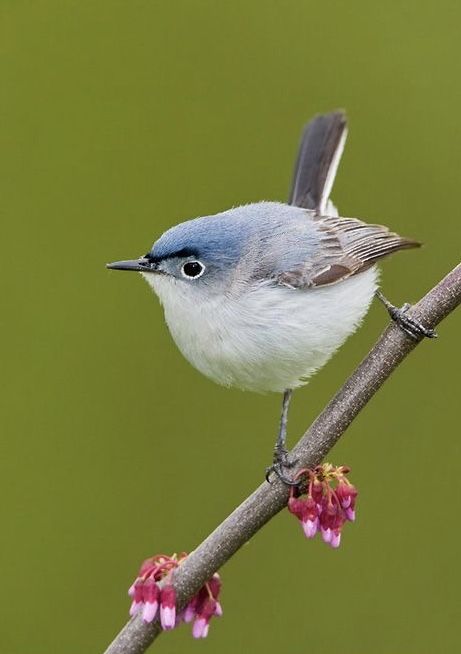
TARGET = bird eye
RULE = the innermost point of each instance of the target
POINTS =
(192, 269)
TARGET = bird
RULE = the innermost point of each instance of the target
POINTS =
(262, 295)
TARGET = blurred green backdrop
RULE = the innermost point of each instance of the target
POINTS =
(120, 119)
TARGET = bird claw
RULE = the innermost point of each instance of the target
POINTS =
(281, 463)
(410, 326)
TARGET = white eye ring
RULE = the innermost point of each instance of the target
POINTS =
(192, 269)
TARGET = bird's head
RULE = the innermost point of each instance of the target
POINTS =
(198, 256)
(226, 252)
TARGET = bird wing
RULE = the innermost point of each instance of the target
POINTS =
(320, 151)
(346, 247)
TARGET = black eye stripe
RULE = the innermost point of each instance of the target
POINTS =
(180, 254)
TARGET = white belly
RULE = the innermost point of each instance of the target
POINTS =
(269, 338)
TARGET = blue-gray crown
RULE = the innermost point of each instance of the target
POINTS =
(223, 237)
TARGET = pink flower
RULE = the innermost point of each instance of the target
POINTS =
(200, 628)
(204, 606)
(206, 611)
(307, 512)
(150, 597)
(350, 514)
(214, 585)
(335, 539)
(135, 593)
(189, 613)
(316, 490)
(153, 587)
(310, 527)
(323, 501)
(346, 494)
(167, 607)
(296, 507)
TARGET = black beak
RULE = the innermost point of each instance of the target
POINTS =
(137, 265)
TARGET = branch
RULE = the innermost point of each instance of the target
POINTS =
(267, 500)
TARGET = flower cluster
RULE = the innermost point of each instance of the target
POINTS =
(150, 597)
(203, 606)
(323, 500)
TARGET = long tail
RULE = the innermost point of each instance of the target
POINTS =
(320, 151)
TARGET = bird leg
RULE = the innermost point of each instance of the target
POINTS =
(280, 460)
(410, 326)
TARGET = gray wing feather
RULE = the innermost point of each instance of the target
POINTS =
(347, 246)
(319, 153)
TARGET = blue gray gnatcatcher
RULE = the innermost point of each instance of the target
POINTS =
(261, 296)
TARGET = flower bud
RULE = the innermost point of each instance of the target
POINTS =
(167, 607)
(150, 597)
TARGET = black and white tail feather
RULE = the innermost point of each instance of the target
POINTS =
(320, 151)
(349, 246)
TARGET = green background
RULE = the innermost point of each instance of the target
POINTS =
(120, 119)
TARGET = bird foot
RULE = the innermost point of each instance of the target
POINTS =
(280, 464)
(409, 325)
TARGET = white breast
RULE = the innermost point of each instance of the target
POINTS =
(268, 338)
